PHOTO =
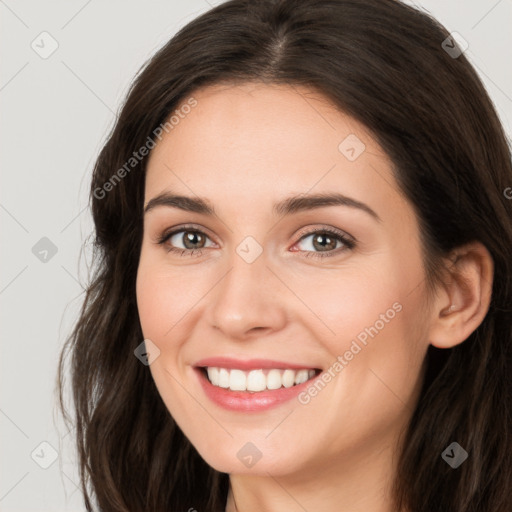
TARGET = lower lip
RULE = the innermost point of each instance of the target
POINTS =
(245, 401)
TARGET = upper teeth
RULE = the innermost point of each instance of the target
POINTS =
(257, 380)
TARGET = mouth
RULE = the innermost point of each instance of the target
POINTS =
(256, 381)
(250, 386)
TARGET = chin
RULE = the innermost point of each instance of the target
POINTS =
(248, 458)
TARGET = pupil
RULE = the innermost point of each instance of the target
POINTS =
(323, 246)
(189, 238)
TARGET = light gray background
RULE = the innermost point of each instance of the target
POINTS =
(56, 113)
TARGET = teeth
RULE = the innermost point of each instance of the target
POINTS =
(301, 376)
(274, 380)
(237, 380)
(213, 375)
(288, 378)
(223, 378)
(257, 380)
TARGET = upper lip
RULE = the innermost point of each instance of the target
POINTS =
(248, 364)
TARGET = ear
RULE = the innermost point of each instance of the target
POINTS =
(463, 300)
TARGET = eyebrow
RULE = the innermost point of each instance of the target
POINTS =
(285, 207)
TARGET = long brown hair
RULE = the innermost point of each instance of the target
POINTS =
(383, 63)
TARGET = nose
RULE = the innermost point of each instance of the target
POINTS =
(248, 301)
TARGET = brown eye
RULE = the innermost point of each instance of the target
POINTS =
(192, 239)
(325, 242)
(184, 240)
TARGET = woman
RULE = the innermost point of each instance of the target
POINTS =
(303, 283)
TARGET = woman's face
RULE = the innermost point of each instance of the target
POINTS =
(258, 292)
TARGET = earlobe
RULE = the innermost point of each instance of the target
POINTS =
(465, 297)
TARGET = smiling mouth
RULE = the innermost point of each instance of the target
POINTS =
(257, 380)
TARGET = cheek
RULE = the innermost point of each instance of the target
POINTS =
(165, 296)
(163, 301)
(373, 296)
(149, 303)
(343, 302)
(372, 316)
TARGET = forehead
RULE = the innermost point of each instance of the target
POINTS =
(268, 141)
(252, 114)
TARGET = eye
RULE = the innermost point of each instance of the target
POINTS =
(192, 241)
(324, 242)
(327, 242)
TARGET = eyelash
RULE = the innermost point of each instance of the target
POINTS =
(349, 243)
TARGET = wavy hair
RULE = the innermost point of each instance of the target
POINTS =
(383, 63)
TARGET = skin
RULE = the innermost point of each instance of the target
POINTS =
(243, 148)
